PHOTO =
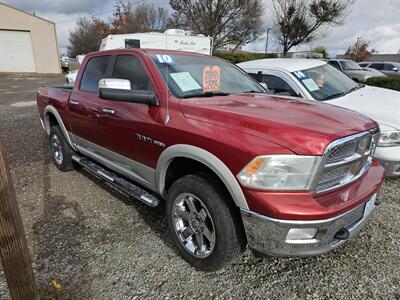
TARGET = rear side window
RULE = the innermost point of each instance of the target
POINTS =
(388, 67)
(334, 64)
(95, 70)
(129, 67)
(277, 85)
(377, 66)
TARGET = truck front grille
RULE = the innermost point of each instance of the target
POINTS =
(345, 160)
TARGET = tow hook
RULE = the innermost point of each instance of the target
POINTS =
(342, 234)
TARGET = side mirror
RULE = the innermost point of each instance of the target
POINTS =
(396, 69)
(120, 90)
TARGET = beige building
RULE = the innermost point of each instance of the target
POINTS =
(27, 43)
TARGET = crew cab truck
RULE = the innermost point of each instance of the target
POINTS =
(234, 165)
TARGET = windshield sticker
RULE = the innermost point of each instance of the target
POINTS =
(310, 85)
(185, 81)
(299, 74)
(211, 78)
(164, 59)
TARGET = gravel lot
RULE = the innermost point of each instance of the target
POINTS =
(99, 244)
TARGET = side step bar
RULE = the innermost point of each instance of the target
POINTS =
(118, 182)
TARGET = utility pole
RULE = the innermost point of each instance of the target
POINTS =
(357, 47)
(266, 44)
(14, 253)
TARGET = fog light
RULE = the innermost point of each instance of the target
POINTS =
(301, 233)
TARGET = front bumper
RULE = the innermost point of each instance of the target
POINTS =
(389, 158)
(269, 236)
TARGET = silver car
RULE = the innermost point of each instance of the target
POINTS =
(352, 69)
(388, 68)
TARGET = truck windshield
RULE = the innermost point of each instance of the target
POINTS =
(203, 76)
(325, 82)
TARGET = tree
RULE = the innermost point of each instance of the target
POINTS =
(302, 21)
(123, 19)
(359, 51)
(89, 32)
(151, 18)
(87, 36)
(322, 50)
(227, 21)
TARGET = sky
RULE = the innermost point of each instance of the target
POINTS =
(377, 21)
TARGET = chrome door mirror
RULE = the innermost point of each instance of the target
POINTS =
(120, 90)
(115, 84)
(396, 69)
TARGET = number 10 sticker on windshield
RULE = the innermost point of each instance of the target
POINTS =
(211, 78)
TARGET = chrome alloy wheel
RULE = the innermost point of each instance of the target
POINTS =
(56, 149)
(193, 225)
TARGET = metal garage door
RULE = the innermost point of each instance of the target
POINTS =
(16, 52)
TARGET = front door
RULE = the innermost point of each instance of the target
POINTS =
(128, 128)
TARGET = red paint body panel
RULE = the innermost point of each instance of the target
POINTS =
(306, 206)
(235, 128)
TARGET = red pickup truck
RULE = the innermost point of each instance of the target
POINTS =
(234, 165)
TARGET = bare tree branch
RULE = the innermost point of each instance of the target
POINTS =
(301, 21)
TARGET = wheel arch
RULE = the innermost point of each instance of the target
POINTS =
(205, 158)
(50, 114)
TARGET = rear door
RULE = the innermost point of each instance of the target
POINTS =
(84, 104)
(128, 128)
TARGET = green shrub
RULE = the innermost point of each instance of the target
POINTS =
(237, 57)
(392, 83)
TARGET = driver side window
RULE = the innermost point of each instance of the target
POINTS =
(129, 67)
(278, 86)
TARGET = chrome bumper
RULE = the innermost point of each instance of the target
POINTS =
(268, 236)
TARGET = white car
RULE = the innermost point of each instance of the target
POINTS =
(316, 80)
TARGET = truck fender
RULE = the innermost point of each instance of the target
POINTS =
(51, 110)
(206, 158)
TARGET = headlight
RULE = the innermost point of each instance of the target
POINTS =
(280, 172)
(389, 138)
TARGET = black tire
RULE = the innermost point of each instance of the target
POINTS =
(229, 234)
(64, 164)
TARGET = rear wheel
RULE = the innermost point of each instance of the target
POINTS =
(61, 151)
(202, 223)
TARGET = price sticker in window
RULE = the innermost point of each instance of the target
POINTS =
(211, 78)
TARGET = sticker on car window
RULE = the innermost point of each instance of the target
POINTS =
(164, 59)
(299, 74)
(310, 85)
(211, 78)
(185, 81)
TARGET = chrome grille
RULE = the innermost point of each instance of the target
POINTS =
(343, 151)
(345, 160)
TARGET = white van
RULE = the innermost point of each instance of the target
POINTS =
(171, 39)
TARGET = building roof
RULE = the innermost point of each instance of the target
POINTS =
(288, 64)
(22, 11)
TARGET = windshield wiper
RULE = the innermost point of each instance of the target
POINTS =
(206, 94)
(252, 91)
(334, 96)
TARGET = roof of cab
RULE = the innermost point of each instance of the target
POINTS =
(146, 51)
(287, 64)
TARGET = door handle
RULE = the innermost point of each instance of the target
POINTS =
(108, 111)
(74, 102)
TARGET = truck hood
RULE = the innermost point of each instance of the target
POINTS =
(382, 105)
(301, 126)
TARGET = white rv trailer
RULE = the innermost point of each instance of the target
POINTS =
(171, 39)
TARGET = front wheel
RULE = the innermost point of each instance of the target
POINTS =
(202, 223)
